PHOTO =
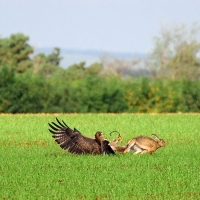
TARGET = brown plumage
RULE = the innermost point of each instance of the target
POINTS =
(76, 143)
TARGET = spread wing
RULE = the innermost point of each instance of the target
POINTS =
(73, 140)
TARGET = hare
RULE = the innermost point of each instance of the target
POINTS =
(144, 144)
(115, 147)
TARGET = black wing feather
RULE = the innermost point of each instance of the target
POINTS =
(106, 148)
(65, 125)
(56, 125)
(54, 128)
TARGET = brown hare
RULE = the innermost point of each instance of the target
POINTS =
(114, 145)
(144, 144)
(117, 148)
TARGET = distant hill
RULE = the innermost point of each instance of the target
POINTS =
(72, 56)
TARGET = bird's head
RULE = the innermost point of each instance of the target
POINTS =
(99, 137)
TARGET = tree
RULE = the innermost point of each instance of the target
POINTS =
(54, 58)
(15, 52)
(185, 64)
(76, 71)
(46, 65)
(120, 67)
(175, 54)
(95, 69)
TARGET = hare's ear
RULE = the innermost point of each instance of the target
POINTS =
(155, 137)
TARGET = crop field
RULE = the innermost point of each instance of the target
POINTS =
(33, 166)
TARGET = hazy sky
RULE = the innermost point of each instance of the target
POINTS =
(106, 25)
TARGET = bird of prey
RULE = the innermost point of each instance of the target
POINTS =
(76, 143)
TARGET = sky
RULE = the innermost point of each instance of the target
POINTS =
(126, 26)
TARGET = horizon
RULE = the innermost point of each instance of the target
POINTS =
(75, 56)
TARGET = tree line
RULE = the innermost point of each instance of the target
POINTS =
(169, 81)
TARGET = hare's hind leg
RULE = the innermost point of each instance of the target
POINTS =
(136, 149)
(145, 151)
(129, 145)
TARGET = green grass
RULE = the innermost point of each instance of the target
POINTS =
(32, 165)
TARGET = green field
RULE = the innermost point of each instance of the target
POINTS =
(32, 165)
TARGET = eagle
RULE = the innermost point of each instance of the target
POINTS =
(75, 143)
